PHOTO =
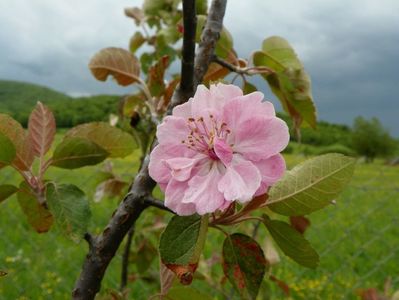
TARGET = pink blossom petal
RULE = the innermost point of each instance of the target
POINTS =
(223, 151)
(174, 194)
(241, 181)
(157, 169)
(183, 110)
(203, 192)
(225, 91)
(272, 168)
(180, 167)
(173, 131)
(261, 138)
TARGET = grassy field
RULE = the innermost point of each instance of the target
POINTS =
(357, 239)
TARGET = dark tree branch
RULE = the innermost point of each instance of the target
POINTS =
(125, 259)
(210, 35)
(104, 246)
(150, 201)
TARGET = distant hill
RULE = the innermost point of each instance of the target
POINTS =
(18, 99)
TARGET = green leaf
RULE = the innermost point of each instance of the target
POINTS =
(115, 141)
(292, 243)
(7, 150)
(76, 152)
(290, 83)
(311, 185)
(249, 88)
(181, 245)
(6, 190)
(136, 41)
(70, 208)
(38, 215)
(244, 264)
(186, 292)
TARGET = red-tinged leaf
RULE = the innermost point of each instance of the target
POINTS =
(166, 277)
(109, 188)
(255, 203)
(37, 214)
(117, 62)
(281, 284)
(184, 273)
(17, 135)
(169, 90)
(156, 73)
(370, 294)
(244, 264)
(41, 128)
(299, 223)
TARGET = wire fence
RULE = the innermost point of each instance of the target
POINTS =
(357, 239)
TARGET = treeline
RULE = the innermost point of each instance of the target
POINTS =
(18, 99)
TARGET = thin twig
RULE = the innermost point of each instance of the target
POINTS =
(242, 71)
(125, 259)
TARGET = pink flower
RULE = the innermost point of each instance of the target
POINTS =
(219, 147)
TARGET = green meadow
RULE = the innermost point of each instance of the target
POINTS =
(357, 239)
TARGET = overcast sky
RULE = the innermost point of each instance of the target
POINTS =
(350, 48)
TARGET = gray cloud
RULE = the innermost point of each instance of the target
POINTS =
(350, 48)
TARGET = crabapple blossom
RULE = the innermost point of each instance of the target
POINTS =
(220, 146)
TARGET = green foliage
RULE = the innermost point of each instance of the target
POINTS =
(70, 208)
(287, 79)
(183, 239)
(6, 190)
(7, 150)
(113, 140)
(18, 98)
(292, 243)
(371, 139)
(77, 152)
(311, 185)
(185, 292)
(244, 264)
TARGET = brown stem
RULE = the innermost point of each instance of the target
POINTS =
(104, 246)
(241, 71)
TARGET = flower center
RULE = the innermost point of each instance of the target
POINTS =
(202, 138)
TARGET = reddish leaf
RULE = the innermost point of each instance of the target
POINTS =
(170, 88)
(111, 187)
(166, 277)
(185, 273)
(118, 62)
(156, 74)
(281, 284)
(300, 223)
(244, 264)
(14, 131)
(370, 294)
(41, 129)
